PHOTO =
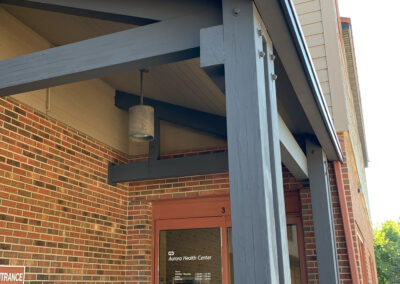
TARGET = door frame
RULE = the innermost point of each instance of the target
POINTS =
(206, 212)
(295, 219)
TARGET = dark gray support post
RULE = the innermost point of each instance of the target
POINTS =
(276, 165)
(251, 192)
(328, 271)
(154, 146)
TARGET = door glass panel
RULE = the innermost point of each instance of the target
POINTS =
(294, 254)
(190, 256)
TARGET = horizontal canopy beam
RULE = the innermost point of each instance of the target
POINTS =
(137, 12)
(199, 120)
(176, 167)
(155, 44)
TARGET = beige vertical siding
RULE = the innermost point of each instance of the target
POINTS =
(310, 16)
(318, 31)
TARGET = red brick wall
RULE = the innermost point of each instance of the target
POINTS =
(358, 213)
(308, 228)
(58, 216)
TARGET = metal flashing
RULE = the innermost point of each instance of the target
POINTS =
(305, 57)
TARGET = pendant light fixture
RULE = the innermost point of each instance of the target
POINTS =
(141, 118)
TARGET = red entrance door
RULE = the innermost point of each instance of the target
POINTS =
(191, 241)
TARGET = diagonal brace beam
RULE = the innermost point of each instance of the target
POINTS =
(155, 44)
(136, 12)
(292, 155)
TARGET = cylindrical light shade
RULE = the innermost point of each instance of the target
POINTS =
(141, 123)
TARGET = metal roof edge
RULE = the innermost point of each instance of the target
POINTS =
(302, 49)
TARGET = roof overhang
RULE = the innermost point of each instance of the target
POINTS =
(278, 16)
(280, 19)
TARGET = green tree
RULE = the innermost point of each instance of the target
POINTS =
(387, 252)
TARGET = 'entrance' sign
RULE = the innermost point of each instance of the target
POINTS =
(12, 274)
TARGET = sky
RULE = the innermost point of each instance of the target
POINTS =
(376, 33)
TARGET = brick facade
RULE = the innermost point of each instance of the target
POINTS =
(359, 220)
(359, 216)
(309, 237)
(60, 218)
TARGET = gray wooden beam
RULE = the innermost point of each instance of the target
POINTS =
(212, 54)
(292, 155)
(165, 168)
(212, 46)
(137, 12)
(251, 192)
(159, 43)
(274, 135)
(321, 202)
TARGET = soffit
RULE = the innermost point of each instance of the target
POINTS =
(62, 29)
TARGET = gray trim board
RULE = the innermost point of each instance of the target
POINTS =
(251, 196)
(328, 271)
(165, 168)
(159, 43)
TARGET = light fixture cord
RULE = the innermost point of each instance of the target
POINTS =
(141, 86)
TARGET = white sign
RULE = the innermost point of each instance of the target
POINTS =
(12, 274)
